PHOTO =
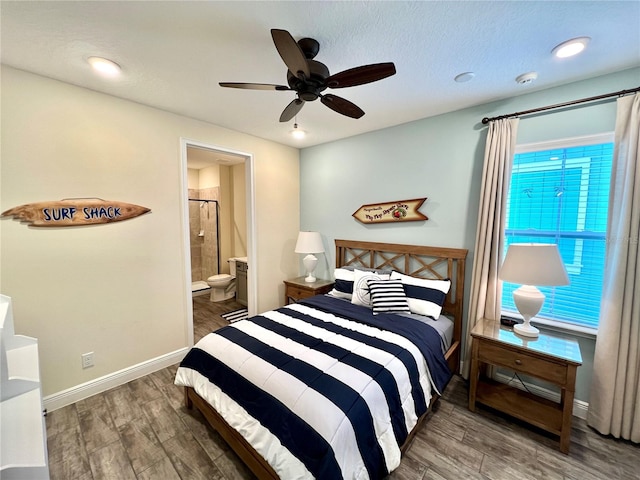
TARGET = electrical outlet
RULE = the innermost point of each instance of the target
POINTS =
(87, 360)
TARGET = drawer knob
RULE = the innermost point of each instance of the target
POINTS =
(518, 361)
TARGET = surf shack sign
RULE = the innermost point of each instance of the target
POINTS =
(74, 212)
(399, 211)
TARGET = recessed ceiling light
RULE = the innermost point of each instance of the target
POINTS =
(104, 66)
(570, 47)
(464, 77)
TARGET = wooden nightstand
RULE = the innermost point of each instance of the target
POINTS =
(296, 289)
(552, 358)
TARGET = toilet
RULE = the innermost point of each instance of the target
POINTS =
(223, 286)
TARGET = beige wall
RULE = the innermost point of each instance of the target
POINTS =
(117, 289)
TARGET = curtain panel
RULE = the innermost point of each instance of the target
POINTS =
(486, 289)
(614, 404)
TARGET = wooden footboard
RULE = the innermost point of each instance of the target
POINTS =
(252, 459)
(249, 456)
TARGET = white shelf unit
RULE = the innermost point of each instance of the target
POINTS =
(23, 434)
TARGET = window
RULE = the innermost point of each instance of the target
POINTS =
(559, 194)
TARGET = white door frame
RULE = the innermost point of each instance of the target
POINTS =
(252, 275)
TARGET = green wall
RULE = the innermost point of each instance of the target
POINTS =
(439, 158)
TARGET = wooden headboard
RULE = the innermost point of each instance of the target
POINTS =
(417, 261)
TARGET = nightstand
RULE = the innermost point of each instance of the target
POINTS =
(296, 289)
(552, 358)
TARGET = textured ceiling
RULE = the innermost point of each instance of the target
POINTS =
(173, 54)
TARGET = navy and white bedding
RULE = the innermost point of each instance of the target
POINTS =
(322, 388)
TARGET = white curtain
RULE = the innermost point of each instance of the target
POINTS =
(614, 405)
(486, 289)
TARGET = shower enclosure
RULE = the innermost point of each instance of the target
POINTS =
(204, 240)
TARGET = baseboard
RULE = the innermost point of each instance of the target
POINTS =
(580, 407)
(102, 384)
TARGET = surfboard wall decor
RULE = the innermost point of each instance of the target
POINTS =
(74, 212)
(398, 211)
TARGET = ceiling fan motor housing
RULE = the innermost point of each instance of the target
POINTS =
(309, 47)
(309, 89)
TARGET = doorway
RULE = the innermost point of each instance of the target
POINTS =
(223, 180)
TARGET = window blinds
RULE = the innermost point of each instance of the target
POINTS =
(561, 196)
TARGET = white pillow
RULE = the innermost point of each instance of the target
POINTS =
(361, 288)
(425, 297)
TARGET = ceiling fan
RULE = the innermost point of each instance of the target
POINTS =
(309, 78)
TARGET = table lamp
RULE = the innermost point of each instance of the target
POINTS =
(310, 243)
(531, 265)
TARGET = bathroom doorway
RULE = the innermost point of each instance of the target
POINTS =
(218, 224)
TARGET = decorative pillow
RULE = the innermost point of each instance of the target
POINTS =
(361, 289)
(425, 297)
(343, 286)
(388, 296)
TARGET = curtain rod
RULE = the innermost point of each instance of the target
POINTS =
(621, 93)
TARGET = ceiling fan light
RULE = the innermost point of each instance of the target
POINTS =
(570, 47)
(297, 132)
(104, 66)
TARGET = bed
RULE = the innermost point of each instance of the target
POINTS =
(336, 385)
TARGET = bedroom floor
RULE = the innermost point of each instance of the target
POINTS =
(141, 430)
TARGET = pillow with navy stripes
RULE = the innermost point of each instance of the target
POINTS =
(425, 296)
(344, 277)
(343, 286)
(387, 296)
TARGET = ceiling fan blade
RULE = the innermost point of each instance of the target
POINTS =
(340, 105)
(291, 53)
(291, 110)
(254, 86)
(361, 75)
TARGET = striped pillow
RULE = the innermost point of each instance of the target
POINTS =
(343, 286)
(425, 297)
(344, 278)
(387, 296)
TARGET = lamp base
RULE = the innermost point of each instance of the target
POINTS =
(526, 329)
(310, 262)
(528, 300)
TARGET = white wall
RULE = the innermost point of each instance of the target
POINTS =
(117, 289)
(209, 177)
(439, 158)
(239, 202)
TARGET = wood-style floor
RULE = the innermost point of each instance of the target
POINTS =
(141, 430)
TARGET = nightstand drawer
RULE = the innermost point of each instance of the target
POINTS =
(523, 362)
(298, 288)
(299, 293)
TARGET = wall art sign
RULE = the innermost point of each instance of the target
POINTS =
(74, 212)
(398, 211)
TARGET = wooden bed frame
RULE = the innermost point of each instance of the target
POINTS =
(418, 261)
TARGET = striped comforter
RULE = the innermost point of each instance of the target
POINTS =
(321, 388)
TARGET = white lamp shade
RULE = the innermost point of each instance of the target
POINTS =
(309, 242)
(537, 264)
